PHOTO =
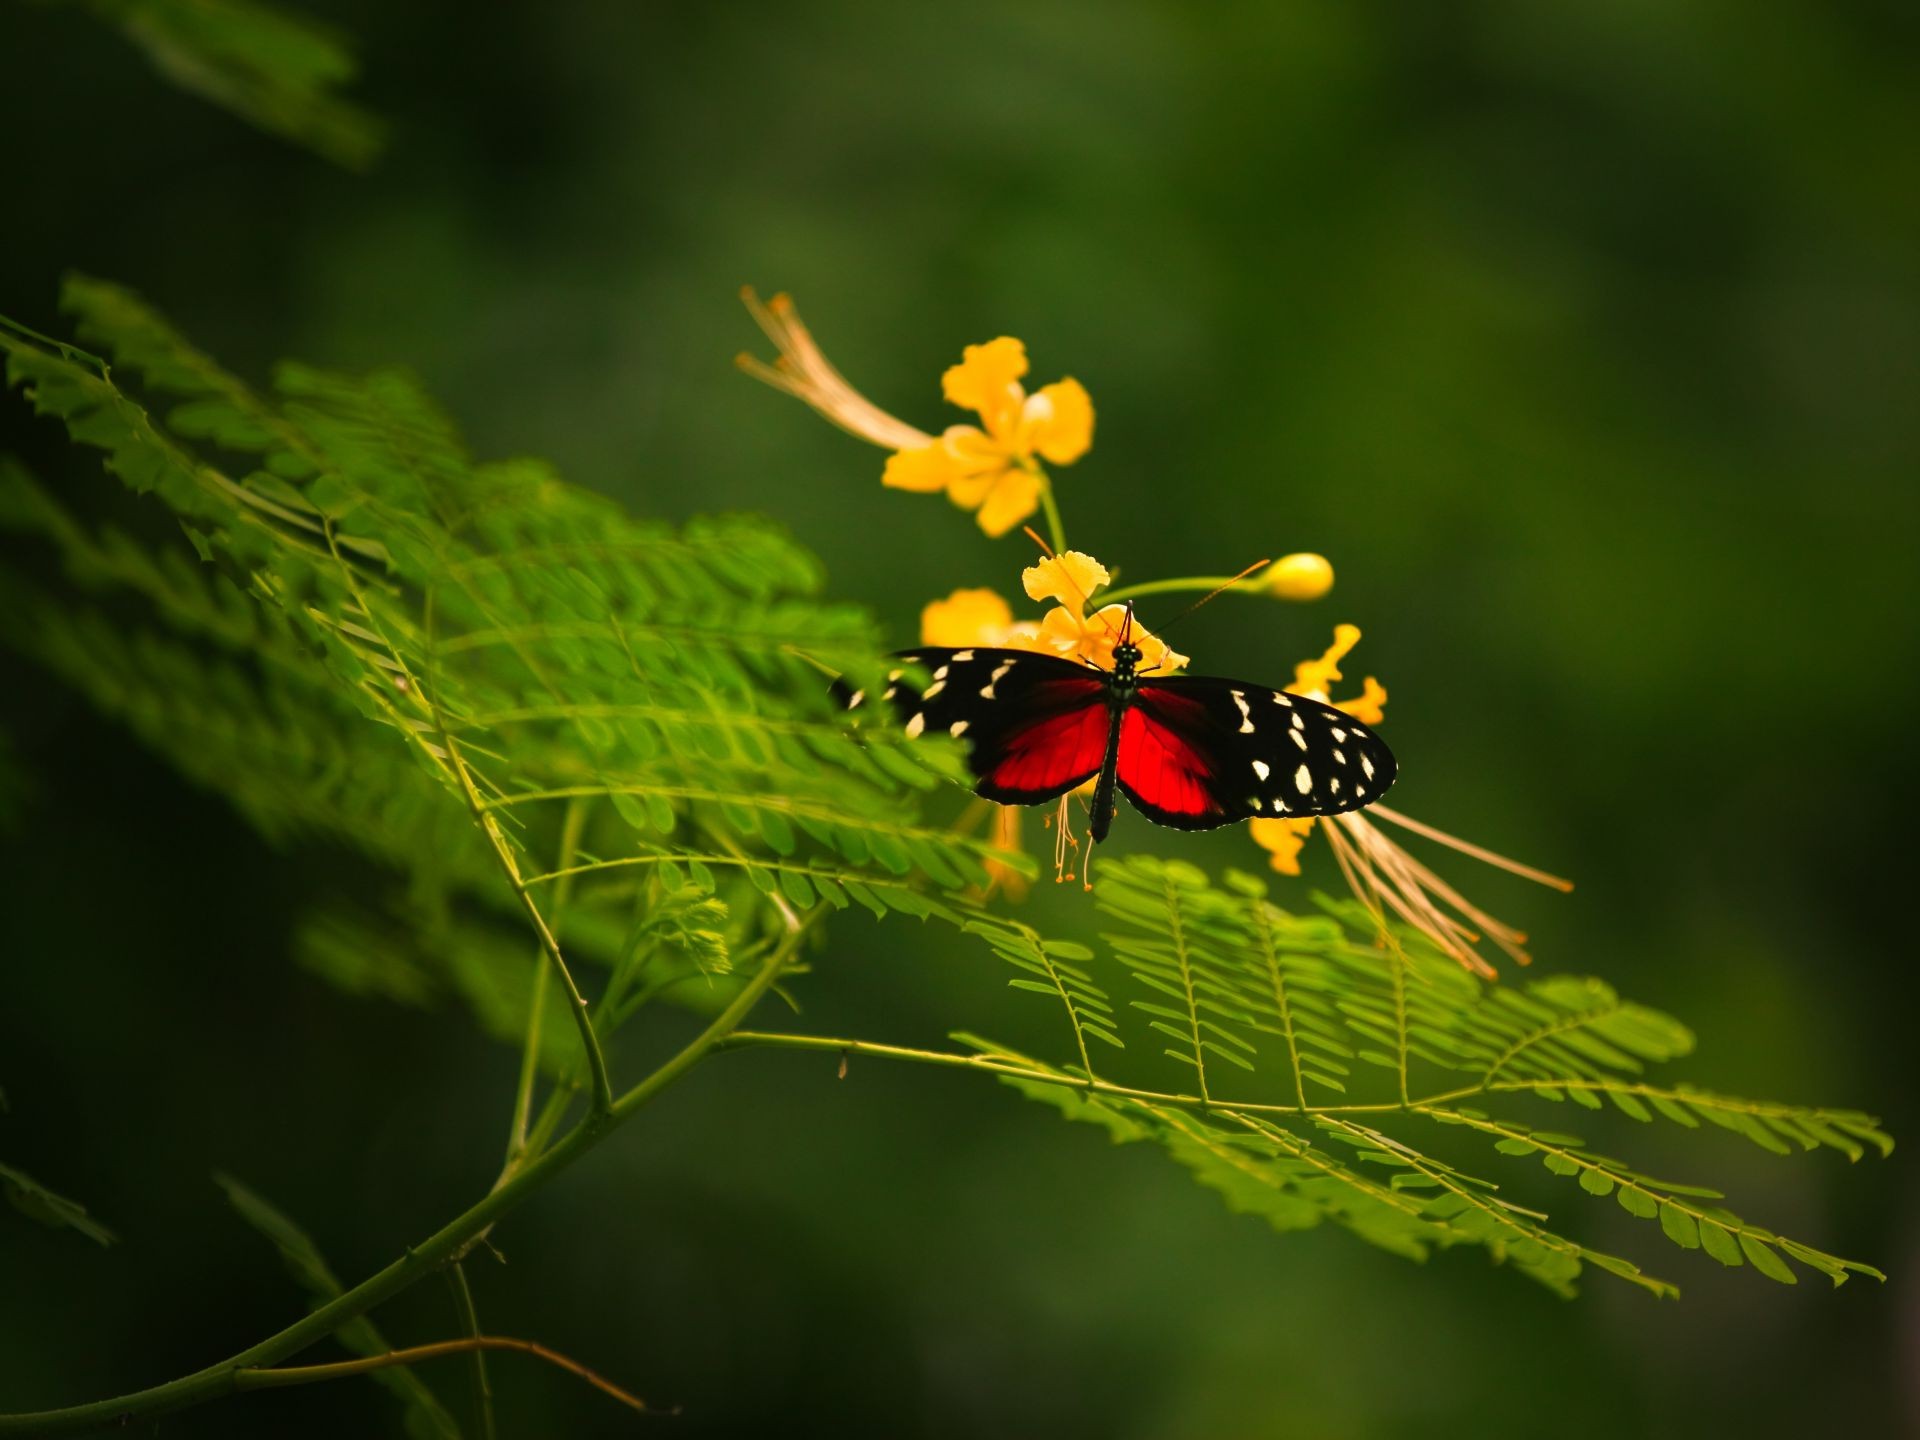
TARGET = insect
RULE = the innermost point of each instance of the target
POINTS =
(1192, 751)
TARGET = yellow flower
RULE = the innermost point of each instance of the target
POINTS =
(1071, 578)
(976, 617)
(1384, 876)
(991, 468)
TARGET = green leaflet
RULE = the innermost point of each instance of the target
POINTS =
(365, 635)
(37, 1202)
(1225, 975)
(274, 68)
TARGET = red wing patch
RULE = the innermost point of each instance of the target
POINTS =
(1162, 772)
(1056, 752)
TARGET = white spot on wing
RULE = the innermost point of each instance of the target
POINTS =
(917, 723)
(858, 696)
(1298, 738)
(957, 729)
(1280, 699)
(941, 673)
(1366, 765)
(1303, 780)
(933, 689)
(1246, 715)
(1002, 668)
(1262, 769)
(963, 655)
(986, 692)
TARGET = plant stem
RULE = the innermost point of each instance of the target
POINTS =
(1056, 531)
(470, 1322)
(1202, 583)
(420, 1260)
(478, 1345)
(570, 828)
(779, 1040)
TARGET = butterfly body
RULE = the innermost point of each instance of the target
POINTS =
(1192, 752)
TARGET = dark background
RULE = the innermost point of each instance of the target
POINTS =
(1585, 338)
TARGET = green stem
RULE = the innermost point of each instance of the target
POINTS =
(1203, 584)
(226, 1378)
(780, 1040)
(1056, 531)
(570, 829)
(470, 1322)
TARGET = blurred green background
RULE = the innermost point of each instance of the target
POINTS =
(1584, 338)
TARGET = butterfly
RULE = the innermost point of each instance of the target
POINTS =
(1191, 751)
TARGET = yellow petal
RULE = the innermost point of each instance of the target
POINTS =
(1070, 577)
(1062, 632)
(1015, 495)
(1156, 654)
(1305, 576)
(926, 469)
(1368, 707)
(966, 617)
(1060, 421)
(1283, 839)
(987, 379)
(1316, 677)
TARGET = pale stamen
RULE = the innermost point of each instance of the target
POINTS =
(806, 374)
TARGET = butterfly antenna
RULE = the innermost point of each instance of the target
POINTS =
(1213, 594)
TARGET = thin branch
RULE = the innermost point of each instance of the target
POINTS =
(470, 1322)
(570, 828)
(490, 827)
(419, 1261)
(280, 1376)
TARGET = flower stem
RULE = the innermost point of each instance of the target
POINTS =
(1202, 583)
(1056, 531)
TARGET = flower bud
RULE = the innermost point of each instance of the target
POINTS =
(1305, 576)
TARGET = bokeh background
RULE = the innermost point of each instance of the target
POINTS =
(1585, 338)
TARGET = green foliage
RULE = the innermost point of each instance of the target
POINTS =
(524, 706)
(274, 68)
(1323, 1062)
(494, 686)
(426, 1417)
(37, 1202)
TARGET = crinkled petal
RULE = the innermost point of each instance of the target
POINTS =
(1156, 654)
(925, 470)
(1370, 706)
(969, 489)
(1282, 839)
(1316, 677)
(966, 617)
(1070, 577)
(1059, 421)
(986, 374)
(1014, 496)
(1061, 632)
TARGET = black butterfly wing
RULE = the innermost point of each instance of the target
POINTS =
(1036, 724)
(1198, 752)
